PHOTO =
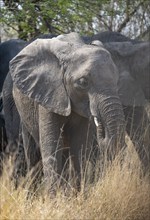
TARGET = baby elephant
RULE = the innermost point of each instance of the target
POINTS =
(64, 91)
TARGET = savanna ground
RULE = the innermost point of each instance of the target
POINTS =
(123, 193)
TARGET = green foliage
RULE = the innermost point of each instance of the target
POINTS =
(31, 17)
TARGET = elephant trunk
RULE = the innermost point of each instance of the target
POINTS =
(110, 125)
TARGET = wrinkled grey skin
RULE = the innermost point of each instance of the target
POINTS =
(60, 84)
(133, 62)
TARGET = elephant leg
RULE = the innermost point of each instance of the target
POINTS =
(138, 128)
(32, 151)
(51, 144)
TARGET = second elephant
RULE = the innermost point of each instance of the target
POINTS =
(133, 62)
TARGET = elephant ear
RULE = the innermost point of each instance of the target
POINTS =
(37, 72)
(129, 91)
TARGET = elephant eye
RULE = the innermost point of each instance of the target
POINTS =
(82, 83)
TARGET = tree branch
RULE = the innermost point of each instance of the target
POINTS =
(128, 17)
(9, 25)
(142, 35)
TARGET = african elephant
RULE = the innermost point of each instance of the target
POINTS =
(133, 62)
(128, 110)
(61, 86)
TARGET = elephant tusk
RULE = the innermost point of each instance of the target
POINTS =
(96, 122)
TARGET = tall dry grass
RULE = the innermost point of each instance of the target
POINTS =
(121, 194)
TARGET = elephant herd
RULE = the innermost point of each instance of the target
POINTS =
(74, 97)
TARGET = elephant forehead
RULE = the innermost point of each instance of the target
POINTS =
(91, 54)
(89, 59)
(94, 69)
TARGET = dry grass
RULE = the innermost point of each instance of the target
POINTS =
(121, 194)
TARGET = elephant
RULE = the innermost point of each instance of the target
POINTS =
(64, 91)
(104, 37)
(108, 36)
(8, 50)
(133, 63)
(112, 36)
(129, 111)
